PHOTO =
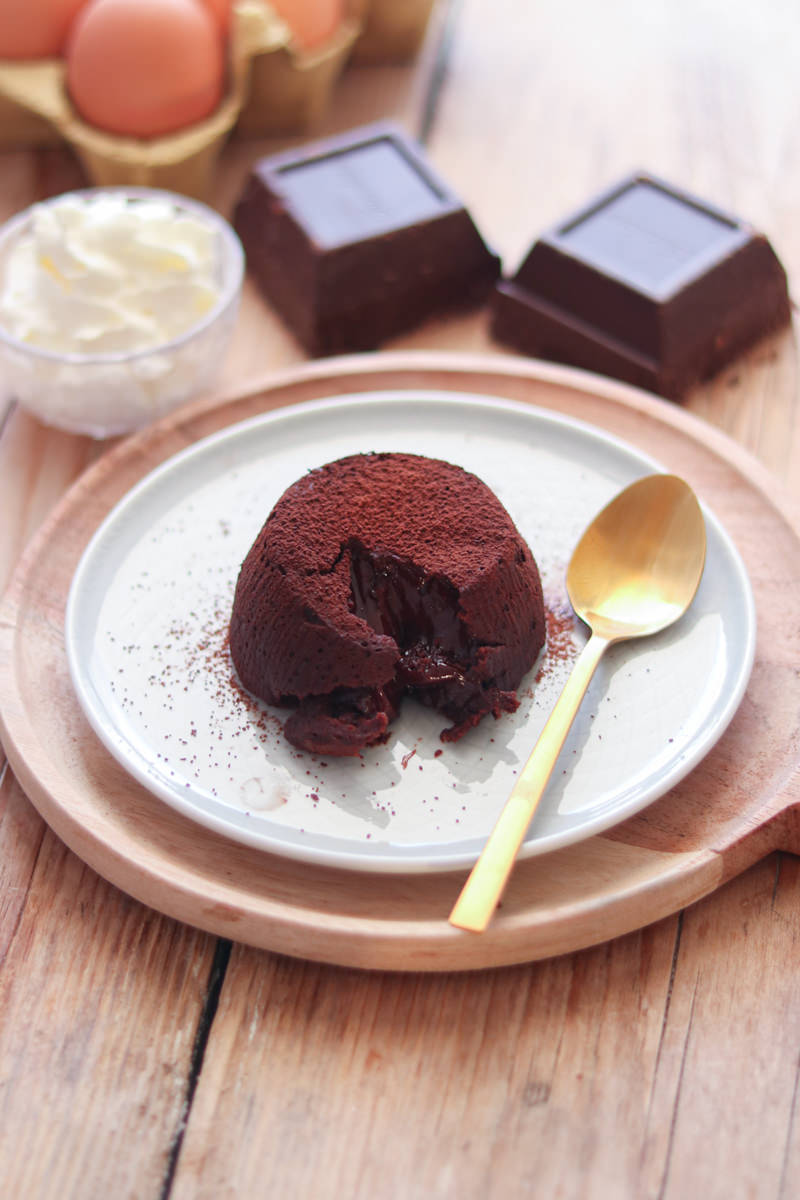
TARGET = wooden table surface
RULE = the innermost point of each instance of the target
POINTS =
(142, 1058)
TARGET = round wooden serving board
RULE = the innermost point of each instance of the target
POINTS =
(740, 803)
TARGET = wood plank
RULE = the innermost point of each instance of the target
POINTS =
(608, 1072)
(21, 833)
(61, 1036)
(101, 1000)
(724, 1103)
(334, 1083)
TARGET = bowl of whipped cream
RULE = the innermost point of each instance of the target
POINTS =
(116, 306)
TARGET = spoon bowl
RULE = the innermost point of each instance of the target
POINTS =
(634, 572)
(637, 567)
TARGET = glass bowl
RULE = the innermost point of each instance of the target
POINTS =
(105, 394)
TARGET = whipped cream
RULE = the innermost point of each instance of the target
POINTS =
(104, 274)
(115, 306)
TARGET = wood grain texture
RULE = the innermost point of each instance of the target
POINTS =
(21, 834)
(100, 1001)
(636, 1069)
(731, 810)
(726, 1095)
(505, 1069)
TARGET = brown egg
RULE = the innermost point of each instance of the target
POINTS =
(36, 28)
(145, 68)
(311, 21)
(221, 12)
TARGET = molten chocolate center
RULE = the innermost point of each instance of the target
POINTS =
(419, 611)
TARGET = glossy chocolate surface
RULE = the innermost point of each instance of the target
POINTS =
(399, 598)
(358, 192)
(650, 239)
(645, 283)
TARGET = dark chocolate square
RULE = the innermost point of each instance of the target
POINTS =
(356, 239)
(646, 283)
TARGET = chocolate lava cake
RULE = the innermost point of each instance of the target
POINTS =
(380, 575)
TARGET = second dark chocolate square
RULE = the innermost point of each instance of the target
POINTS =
(645, 283)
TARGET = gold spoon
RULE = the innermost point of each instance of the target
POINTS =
(634, 572)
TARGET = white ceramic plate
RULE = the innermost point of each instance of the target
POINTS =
(146, 641)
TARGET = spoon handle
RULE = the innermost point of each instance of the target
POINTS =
(476, 904)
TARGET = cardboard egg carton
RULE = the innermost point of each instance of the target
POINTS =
(287, 88)
(274, 87)
(392, 31)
